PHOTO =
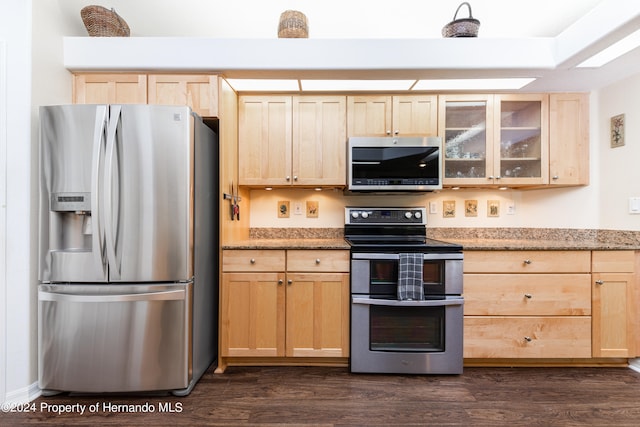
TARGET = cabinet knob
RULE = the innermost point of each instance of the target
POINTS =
(527, 339)
(599, 282)
(289, 282)
(527, 261)
(317, 260)
(498, 177)
(555, 177)
(295, 177)
(389, 132)
(528, 296)
(252, 261)
(288, 178)
(396, 132)
(490, 177)
(280, 282)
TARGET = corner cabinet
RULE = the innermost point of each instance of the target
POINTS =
(403, 115)
(292, 141)
(288, 307)
(495, 140)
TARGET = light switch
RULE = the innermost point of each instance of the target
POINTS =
(634, 205)
(433, 208)
(297, 208)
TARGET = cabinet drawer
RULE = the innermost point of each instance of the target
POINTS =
(247, 260)
(527, 294)
(527, 261)
(613, 261)
(318, 260)
(527, 337)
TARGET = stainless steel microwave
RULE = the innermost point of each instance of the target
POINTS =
(397, 164)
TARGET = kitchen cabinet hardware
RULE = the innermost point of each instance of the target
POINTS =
(527, 261)
(527, 339)
(555, 177)
(252, 261)
(528, 296)
(280, 282)
(289, 282)
(599, 282)
(317, 260)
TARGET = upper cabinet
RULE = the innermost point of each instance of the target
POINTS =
(569, 139)
(113, 88)
(515, 140)
(292, 140)
(402, 115)
(200, 92)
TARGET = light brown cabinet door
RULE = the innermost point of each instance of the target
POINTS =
(568, 139)
(319, 140)
(252, 315)
(369, 116)
(415, 115)
(264, 140)
(317, 315)
(613, 315)
(89, 88)
(200, 92)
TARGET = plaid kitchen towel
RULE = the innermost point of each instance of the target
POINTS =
(410, 277)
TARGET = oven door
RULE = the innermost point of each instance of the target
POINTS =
(407, 337)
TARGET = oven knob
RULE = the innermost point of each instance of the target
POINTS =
(365, 215)
(354, 214)
(418, 215)
(408, 215)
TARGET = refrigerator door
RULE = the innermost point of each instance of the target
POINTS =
(114, 338)
(72, 147)
(149, 193)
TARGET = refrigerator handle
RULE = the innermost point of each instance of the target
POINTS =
(109, 226)
(97, 212)
(173, 295)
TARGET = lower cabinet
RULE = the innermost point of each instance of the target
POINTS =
(549, 305)
(284, 304)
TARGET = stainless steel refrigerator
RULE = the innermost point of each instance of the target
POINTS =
(128, 251)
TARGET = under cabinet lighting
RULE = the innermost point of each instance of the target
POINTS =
(473, 84)
(614, 51)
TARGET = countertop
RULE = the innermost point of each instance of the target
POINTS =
(470, 238)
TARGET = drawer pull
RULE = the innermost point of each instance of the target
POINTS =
(527, 261)
(599, 282)
(252, 261)
(317, 260)
(527, 339)
(528, 296)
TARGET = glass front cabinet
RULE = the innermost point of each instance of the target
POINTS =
(495, 140)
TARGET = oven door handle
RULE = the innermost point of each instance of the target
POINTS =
(398, 303)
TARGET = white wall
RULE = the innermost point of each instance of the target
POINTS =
(18, 279)
(620, 177)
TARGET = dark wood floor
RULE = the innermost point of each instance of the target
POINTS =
(333, 397)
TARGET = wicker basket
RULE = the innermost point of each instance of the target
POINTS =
(293, 25)
(102, 22)
(464, 27)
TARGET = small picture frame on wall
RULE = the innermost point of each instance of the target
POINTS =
(493, 208)
(617, 131)
(470, 208)
(449, 209)
(283, 209)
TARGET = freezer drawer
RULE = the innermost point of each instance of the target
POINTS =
(114, 338)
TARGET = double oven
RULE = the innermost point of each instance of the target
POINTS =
(390, 334)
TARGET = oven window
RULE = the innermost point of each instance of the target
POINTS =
(384, 277)
(407, 329)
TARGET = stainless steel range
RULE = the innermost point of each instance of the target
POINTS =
(406, 294)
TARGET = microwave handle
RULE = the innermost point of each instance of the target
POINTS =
(420, 303)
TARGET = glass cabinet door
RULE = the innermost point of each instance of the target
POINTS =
(520, 142)
(466, 129)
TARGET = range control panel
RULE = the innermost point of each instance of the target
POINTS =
(386, 216)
